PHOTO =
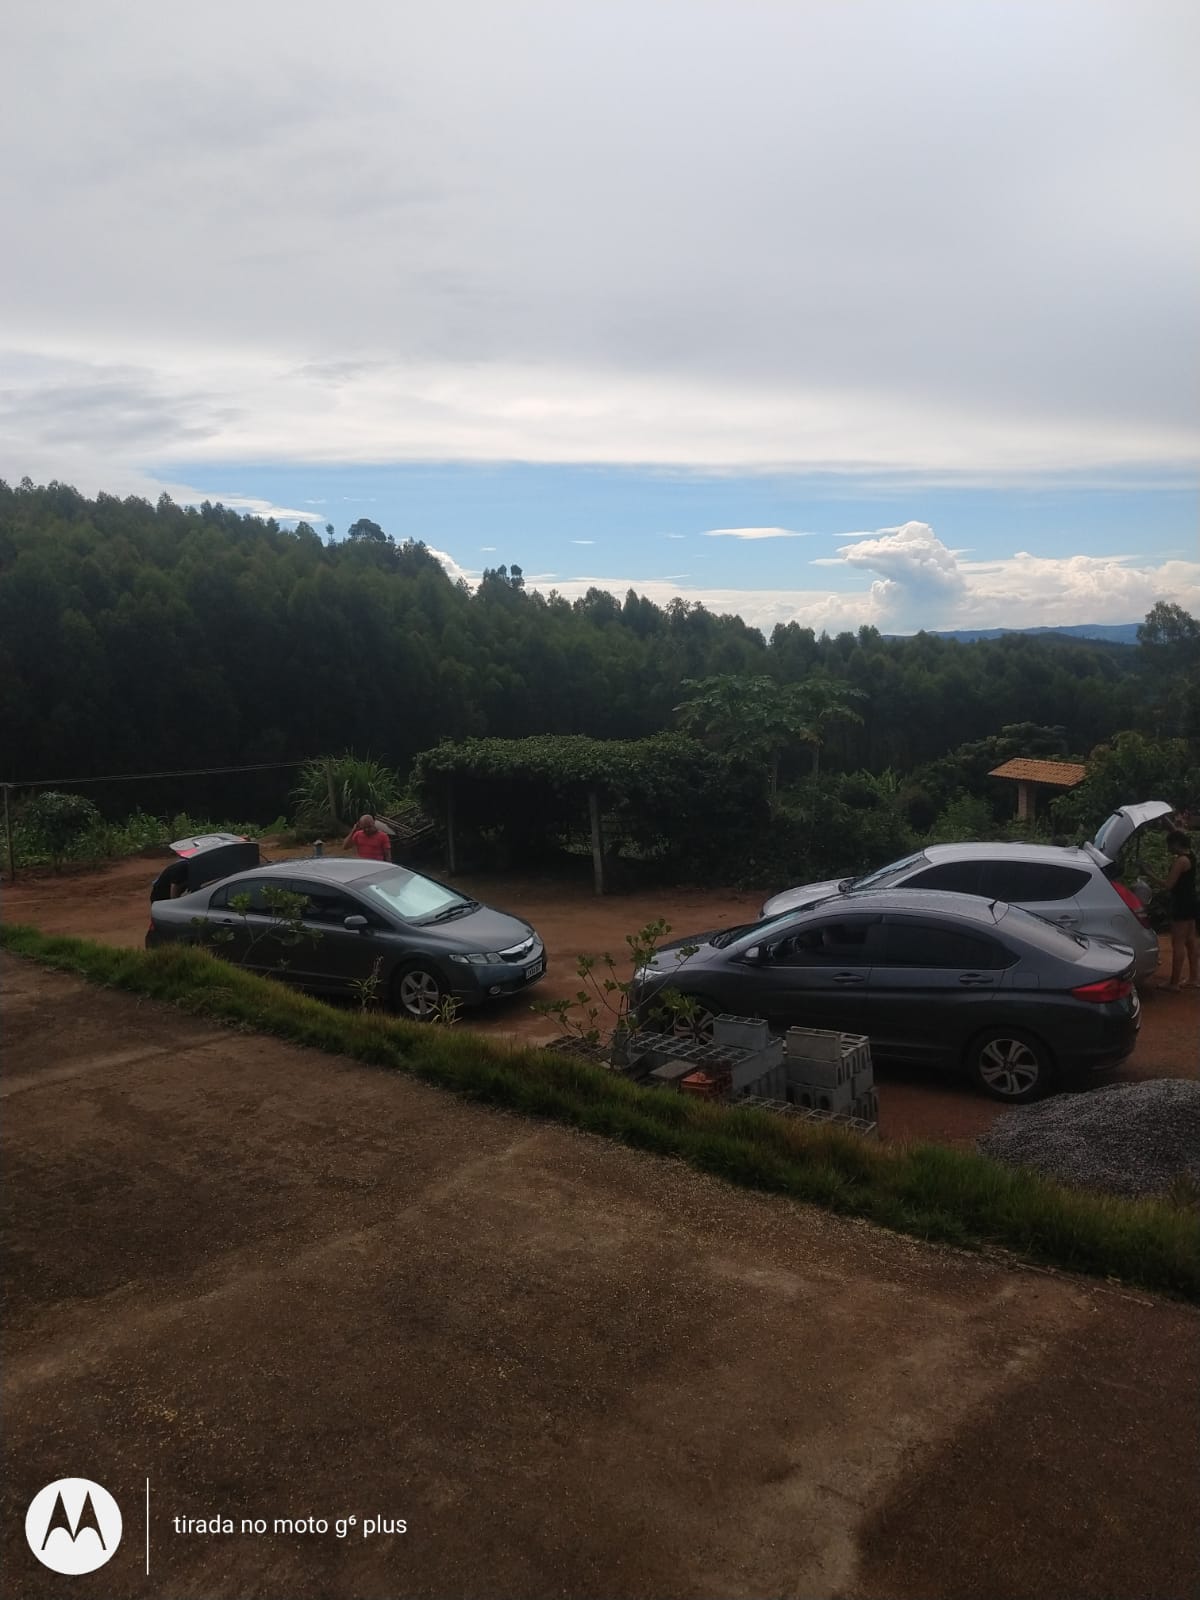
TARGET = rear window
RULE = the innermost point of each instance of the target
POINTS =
(1020, 882)
(1047, 936)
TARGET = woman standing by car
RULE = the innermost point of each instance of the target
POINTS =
(1180, 884)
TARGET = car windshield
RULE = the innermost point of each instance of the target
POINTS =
(727, 936)
(888, 874)
(416, 899)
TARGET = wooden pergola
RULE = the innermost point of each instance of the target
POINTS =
(1029, 775)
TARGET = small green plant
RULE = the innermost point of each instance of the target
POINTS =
(446, 1012)
(602, 1011)
(366, 990)
(283, 925)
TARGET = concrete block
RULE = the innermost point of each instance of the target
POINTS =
(749, 1033)
(815, 1044)
(671, 1073)
(756, 1064)
(833, 1099)
(862, 1081)
(825, 1074)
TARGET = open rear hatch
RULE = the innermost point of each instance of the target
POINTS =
(215, 855)
(1116, 831)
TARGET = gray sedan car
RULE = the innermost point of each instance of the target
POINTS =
(1076, 887)
(946, 980)
(425, 941)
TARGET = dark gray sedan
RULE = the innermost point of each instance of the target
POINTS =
(425, 941)
(950, 980)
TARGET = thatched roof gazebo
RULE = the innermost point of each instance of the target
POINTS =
(1029, 775)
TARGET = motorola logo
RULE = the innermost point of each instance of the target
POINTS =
(73, 1525)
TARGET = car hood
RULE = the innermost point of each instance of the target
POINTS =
(480, 930)
(1115, 832)
(793, 899)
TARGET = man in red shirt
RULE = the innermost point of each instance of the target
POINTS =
(369, 841)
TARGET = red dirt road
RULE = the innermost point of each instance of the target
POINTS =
(279, 1284)
(111, 905)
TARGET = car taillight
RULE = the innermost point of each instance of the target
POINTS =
(1131, 900)
(1107, 989)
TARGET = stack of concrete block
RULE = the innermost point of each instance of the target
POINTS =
(831, 1072)
(761, 1071)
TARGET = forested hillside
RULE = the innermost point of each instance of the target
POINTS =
(136, 637)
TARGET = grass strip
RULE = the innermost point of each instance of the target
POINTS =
(929, 1191)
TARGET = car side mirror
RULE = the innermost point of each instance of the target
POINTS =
(756, 952)
(355, 924)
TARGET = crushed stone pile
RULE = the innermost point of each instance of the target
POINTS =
(1129, 1139)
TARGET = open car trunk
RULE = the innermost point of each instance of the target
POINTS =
(215, 855)
(1115, 832)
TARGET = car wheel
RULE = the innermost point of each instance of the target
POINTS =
(1011, 1065)
(417, 992)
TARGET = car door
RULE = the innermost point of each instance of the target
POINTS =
(818, 976)
(1043, 887)
(329, 955)
(929, 980)
(247, 937)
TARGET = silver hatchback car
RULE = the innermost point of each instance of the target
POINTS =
(1074, 886)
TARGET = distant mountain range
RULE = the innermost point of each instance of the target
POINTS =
(1107, 632)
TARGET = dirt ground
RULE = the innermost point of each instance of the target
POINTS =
(112, 905)
(278, 1284)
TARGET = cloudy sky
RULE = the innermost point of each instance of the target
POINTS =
(841, 312)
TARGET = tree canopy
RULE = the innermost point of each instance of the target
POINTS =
(138, 637)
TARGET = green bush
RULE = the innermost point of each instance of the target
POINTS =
(359, 785)
(54, 824)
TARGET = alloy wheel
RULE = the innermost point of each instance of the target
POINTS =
(420, 994)
(1009, 1067)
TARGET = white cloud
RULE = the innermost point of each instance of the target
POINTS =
(320, 251)
(453, 570)
(674, 535)
(756, 533)
(1025, 591)
(583, 541)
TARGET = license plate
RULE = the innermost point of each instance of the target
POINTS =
(534, 970)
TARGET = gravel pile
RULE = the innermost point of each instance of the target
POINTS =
(1130, 1139)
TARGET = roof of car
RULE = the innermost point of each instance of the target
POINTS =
(1018, 850)
(338, 869)
(975, 908)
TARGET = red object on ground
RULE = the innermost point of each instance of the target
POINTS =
(699, 1083)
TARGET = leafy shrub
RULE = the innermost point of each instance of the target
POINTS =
(55, 823)
(966, 817)
(359, 785)
(1131, 768)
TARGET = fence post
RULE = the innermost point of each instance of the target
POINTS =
(8, 839)
(597, 840)
(333, 810)
(451, 855)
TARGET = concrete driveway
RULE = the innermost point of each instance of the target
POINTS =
(278, 1285)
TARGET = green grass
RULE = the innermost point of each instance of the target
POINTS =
(929, 1191)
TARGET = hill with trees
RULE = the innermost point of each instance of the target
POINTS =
(138, 637)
